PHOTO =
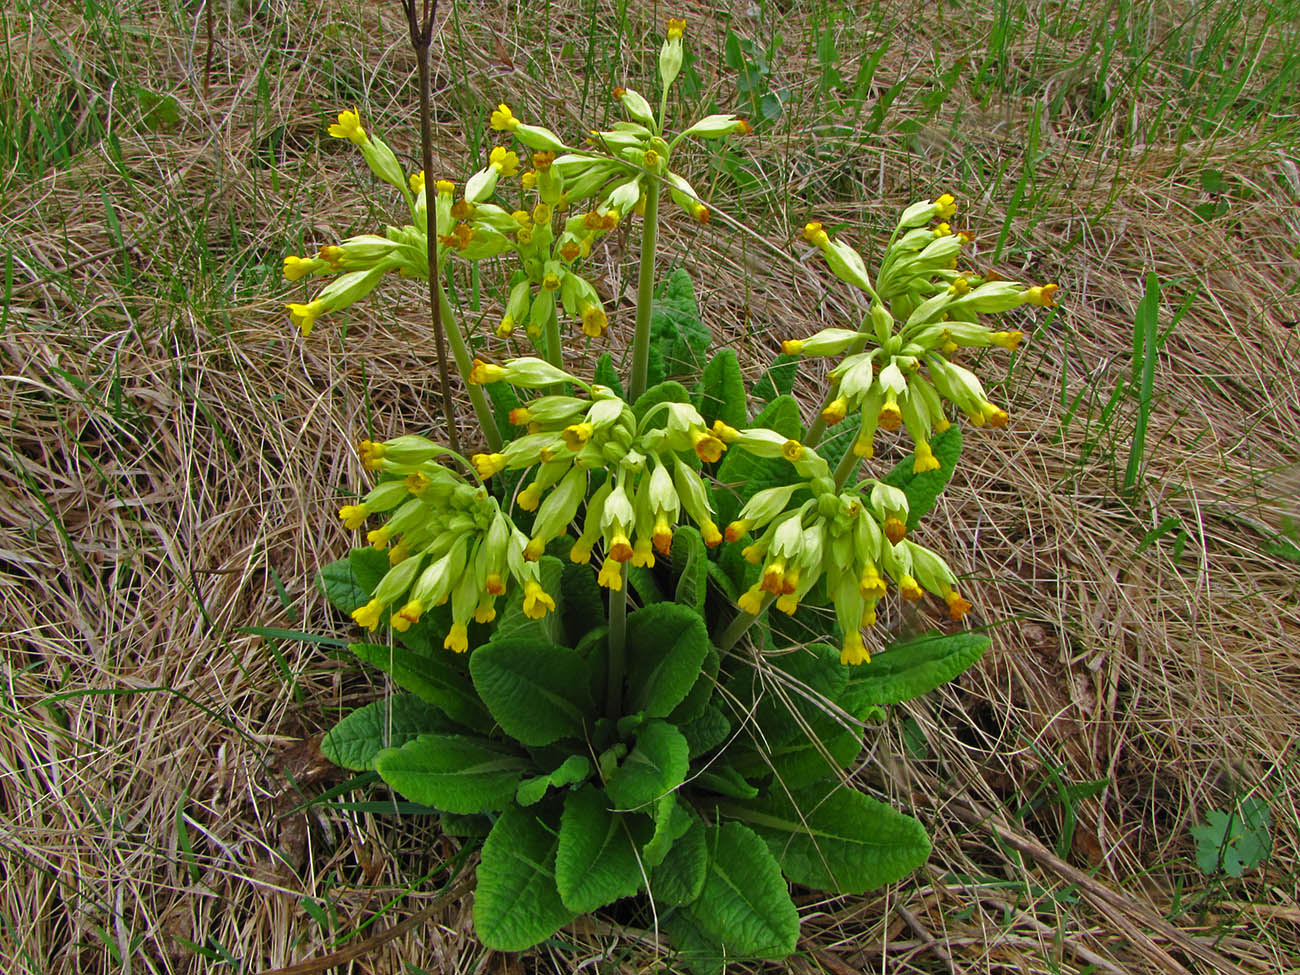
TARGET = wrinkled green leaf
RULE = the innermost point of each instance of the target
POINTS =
(680, 877)
(596, 863)
(745, 902)
(722, 391)
(671, 820)
(538, 693)
(354, 742)
(702, 952)
(679, 341)
(644, 584)
(666, 644)
(701, 691)
(664, 392)
(434, 678)
(516, 902)
(653, 768)
(453, 773)
(725, 781)
(348, 583)
(908, 670)
(574, 769)
(777, 381)
(845, 842)
(707, 731)
(689, 557)
(607, 375)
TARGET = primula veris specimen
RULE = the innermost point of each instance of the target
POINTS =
(603, 741)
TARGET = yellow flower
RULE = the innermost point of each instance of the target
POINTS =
(371, 453)
(957, 605)
(445, 187)
(620, 549)
(792, 346)
(792, 450)
(536, 602)
(505, 161)
(379, 537)
(399, 552)
(676, 28)
(407, 616)
(485, 372)
(947, 206)
(891, 417)
(581, 551)
(707, 447)
(332, 255)
(304, 316)
(368, 615)
(611, 575)
(530, 497)
(528, 180)
(909, 588)
(1007, 340)
(835, 411)
(416, 181)
(814, 233)
(485, 612)
(712, 537)
(542, 160)
(488, 464)
(295, 267)
(959, 287)
(925, 459)
(751, 601)
(353, 515)
(594, 321)
(457, 638)
(895, 529)
(502, 119)
(494, 584)
(663, 534)
(576, 435)
(854, 652)
(641, 554)
(942, 230)
(349, 127)
(1044, 295)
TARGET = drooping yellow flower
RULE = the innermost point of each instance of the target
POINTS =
(676, 28)
(815, 234)
(304, 316)
(295, 267)
(594, 321)
(1043, 295)
(854, 651)
(925, 459)
(416, 181)
(502, 119)
(488, 464)
(368, 615)
(407, 616)
(504, 160)
(536, 602)
(457, 638)
(957, 604)
(947, 206)
(611, 575)
(353, 515)
(751, 601)
(485, 372)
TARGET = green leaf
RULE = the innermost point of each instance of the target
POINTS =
(504, 399)
(514, 622)
(680, 877)
(846, 842)
(719, 577)
(671, 821)
(702, 952)
(453, 773)
(607, 375)
(689, 557)
(908, 670)
(644, 582)
(666, 644)
(923, 490)
(1234, 842)
(348, 583)
(432, 678)
(158, 110)
(584, 602)
(791, 699)
(745, 902)
(725, 781)
(777, 381)
(538, 693)
(655, 767)
(707, 731)
(665, 392)
(679, 341)
(596, 863)
(741, 475)
(574, 769)
(810, 759)
(722, 391)
(354, 742)
(476, 825)
(516, 902)
(701, 691)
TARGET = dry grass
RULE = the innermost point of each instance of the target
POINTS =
(172, 451)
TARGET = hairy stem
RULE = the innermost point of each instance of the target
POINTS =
(645, 283)
(844, 470)
(477, 397)
(739, 627)
(421, 37)
(617, 649)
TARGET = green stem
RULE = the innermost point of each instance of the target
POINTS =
(553, 351)
(645, 283)
(819, 425)
(617, 649)
(478, 398)
(844, 470)
(739, 627)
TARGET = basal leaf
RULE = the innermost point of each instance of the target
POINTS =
(584, 602)
(538, 693)
(680, 877)
(574, 769)
(433, 678)
(644, 583)
(665, 392)
(846, 842)
(923, 490)
(354, 742)
(722, 391)
(671, 820)
(679, 341)
(517, 903)
(701, 951)
(707, 731)
(744, 902)
(596, 863)
(666, 644)
(725, 781)
(689, 557)
(701, 691)
(908, 670)
(777, 381)
(607, 375)
(349, 582)
(654, 767)
(453, 773)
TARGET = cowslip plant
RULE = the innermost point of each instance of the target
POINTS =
(632, 632)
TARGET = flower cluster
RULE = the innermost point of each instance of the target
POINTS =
(446, 540)
(649, 480)
(855, 542)
(909, 374)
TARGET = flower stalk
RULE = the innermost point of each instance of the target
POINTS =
(645, 293)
